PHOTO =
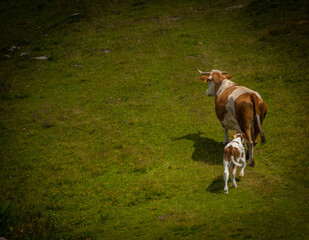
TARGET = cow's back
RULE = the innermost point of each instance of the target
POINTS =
(234, 106)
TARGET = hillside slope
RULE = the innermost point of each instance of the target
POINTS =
(113, 137)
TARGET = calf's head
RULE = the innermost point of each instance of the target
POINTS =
(241, 136)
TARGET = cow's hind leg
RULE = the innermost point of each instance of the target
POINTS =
(242, 170)
(250, 147)
(250, 153)
(244, 112)
(251, 159)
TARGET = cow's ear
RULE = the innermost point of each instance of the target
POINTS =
(229, 77)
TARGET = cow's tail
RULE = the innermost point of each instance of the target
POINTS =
(255, 101)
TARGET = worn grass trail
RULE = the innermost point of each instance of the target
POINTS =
(114, 138)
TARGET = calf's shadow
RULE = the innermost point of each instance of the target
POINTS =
(205, 149)
(216, 186)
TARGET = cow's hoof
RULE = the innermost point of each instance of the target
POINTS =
(226, 192)
(251, 164)
(240, 175)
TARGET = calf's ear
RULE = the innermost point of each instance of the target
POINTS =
(229, 77)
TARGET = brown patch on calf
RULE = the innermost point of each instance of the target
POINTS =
(231, 151)
(235, 153)
(227, 154)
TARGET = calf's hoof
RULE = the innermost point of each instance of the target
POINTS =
(240, 175)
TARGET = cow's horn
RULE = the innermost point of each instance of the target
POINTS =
(203, 73)
(223, 72)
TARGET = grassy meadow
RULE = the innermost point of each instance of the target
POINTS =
(113, 137)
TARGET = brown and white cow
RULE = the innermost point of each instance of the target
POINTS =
(237, 107)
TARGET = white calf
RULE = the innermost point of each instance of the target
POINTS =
(234, 153)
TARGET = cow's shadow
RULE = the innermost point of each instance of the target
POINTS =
(205, 149)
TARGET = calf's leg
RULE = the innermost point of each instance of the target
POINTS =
(226, 175)
(233, 172)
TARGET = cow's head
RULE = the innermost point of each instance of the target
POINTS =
(214, 79)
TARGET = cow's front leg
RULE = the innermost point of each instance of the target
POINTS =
(250, 151)
(226, 136)
(226, 176)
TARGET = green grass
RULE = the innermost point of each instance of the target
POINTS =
(113, 137)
